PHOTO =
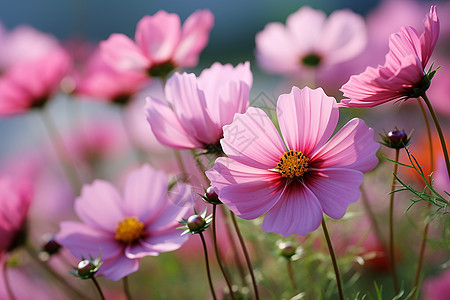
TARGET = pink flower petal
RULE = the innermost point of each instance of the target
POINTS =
(298, 211)
(194, 38)
(121, 53)
(145, 191)
(253, 140)
(118, 267)
(100, 205)
(343, 37)
(158, 36)
(83, 241)
(307, 118)
(353, 147)
(305, 40)
(167, 128)
(335, 189)
(429, 37)
(189, 105)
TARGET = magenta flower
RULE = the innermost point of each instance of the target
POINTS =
(436, 288)
(161, 44)
(124, 229)
(403, 74)
(31, 84)
(15, 201)
(196, 109)
(297, 178)
(310, 40)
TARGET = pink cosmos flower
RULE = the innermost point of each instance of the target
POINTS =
(31, 84)
(161, 44)
(104, 83)
(296, 178)
(15, 201)
(402, 75)
(310, 40)
(436, 288)
(124, 229)
(196, 109)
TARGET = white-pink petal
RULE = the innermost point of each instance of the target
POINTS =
(122, 54)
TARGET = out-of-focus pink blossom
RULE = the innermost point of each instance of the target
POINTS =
(15, 201)
(101, 82)
(24, 43)
(403, 74)
(310, 40)
(293, 182)
(436, 288)
(31, 84)
(196, 109)
(124, 229)
(161, 44)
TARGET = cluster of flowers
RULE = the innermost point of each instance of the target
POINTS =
(295, 171)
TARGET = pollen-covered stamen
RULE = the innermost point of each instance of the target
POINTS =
(292, 164)
(129, 230)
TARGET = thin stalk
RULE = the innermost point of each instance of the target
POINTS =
(97, 286)
(439, 130)
(391, 226)
(372, 217)
(333, 259)
(428, 128)
(207, 266)
(7, 283)
(291, 274)
(216, 249)
(247, 257)
(126, 288)
(56, 141)
(180, 163)
(200, 166)
(74, 293)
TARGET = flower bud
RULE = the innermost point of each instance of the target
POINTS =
(396, 138)
(286, 249)
(195, 223)
(51, 246)
(211, 196)
(85, 268)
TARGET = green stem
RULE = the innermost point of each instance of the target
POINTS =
(247, 257)
(57, 142)
(98, 288)
(126, 288)
(207, 266)
(333, 259)
(372, 217)
(216, 249)
(439, 130)
(429, 136)
(291, 275)
(9, 291)
(180, 163)
(391, 226)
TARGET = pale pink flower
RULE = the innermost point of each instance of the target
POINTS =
(196, 109)
(161, 44)
(403, 74)
(295, 179)
(124, 229)
(31, 84)
(310, 40)
(15, 201)
(101, 82)
(437, 288)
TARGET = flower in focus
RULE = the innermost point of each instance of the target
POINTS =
(15, 201)
(31, 84)
(196, 109)
(161, 44)
(124, 229)
(403, 74)
(310, 40)
(296, 179)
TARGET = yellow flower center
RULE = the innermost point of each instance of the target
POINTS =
(292, 164)
(129, 230)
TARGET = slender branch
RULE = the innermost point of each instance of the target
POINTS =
(126, 288)
(98, 288)
(429, 136)
(333, 259)
(439, 130)
(291, 274)
(9, 291)
(391, 226)
(207, 266)
(180, 163)
(216, 249)
(372, 216)
(247, 258)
